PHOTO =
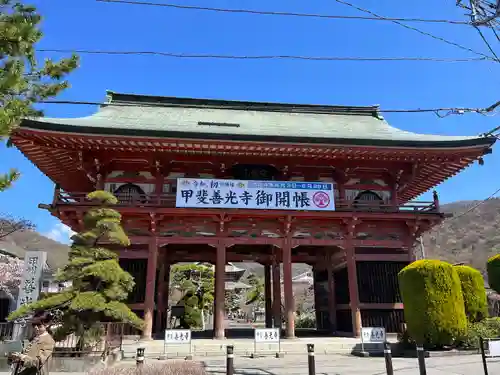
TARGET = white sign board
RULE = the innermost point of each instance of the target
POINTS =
(264, 195)
(29, 290)
(267, 335)
(494, 348)
(373, 334)
(177, 336)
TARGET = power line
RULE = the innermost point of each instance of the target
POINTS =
(260, 57)
(473, 207)
(456, 110)
(495, 33)
(487, 43)
(397, 22)
(375, 17)
(277, 13)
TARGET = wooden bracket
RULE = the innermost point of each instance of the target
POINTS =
(79, 218)
(413, 227)
(287, 224)
(223, 218)
(350, 226)
(153, 222)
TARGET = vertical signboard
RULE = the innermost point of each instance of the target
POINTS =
(29, 290)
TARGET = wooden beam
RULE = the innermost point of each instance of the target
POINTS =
(136, 306)
(382, 257)
(373, 306)
(132, 254)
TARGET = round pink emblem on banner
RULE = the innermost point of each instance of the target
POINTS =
(321, 199)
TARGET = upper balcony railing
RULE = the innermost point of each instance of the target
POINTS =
(168, 201)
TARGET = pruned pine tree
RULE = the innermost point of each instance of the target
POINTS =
(99, 286)
(196, 283)
(23, 81)
(255, 295)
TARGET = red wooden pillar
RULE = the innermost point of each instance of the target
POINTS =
(353, 287)
(99, 184)
(332, 309)
(149, 303)
(394, 194)
(412, 256)
(166, 296)
(267, 295)
(288, 290)
(317, 311)
(219, 315)
(276, 294)
(160, 313)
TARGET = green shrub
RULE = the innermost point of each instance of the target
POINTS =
(474, 293)
(493, 269)
(486, 328)
(306, 320)
(433, 303)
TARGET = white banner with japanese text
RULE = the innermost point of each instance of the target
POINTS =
(29, 290)
(264, 195)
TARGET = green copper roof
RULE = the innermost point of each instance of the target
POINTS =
(138, 115)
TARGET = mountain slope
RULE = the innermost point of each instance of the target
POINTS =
(19, 242)
(469, 237)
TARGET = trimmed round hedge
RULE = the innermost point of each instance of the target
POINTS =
(474, 293)
(493, 268)
(433, 303)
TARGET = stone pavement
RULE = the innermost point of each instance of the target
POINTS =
(336, 364)
(347, 365)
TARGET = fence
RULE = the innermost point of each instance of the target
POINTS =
(101, 338)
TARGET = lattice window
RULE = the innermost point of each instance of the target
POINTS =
(129, 193)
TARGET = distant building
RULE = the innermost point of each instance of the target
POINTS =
(303, 278)
(233, 275)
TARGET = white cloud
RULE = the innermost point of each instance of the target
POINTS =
(60, 233)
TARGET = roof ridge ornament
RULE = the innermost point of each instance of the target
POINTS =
(377, 114)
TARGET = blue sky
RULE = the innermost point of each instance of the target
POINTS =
(87, 24)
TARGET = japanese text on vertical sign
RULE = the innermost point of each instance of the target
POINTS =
(271, 195)
(32, 273)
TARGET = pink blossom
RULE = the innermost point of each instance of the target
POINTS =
(11, 270)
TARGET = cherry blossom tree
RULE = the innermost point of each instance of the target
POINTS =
(11, 270)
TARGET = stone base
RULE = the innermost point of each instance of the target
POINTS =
(360, 354)
(257, 355)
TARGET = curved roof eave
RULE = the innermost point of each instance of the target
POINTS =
(407, 139)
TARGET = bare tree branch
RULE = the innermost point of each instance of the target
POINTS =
(10, 225)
